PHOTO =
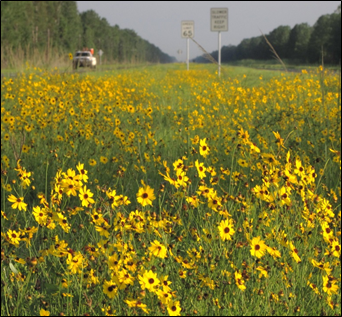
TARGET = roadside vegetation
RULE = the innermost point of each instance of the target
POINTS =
(46, 31)
(275, 65)
(162, 191)
(302, 44)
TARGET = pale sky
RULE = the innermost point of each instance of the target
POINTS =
(159, 22)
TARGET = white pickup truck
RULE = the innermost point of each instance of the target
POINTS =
(84, 59)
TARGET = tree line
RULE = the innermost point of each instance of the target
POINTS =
(301, 44)
(49, 26)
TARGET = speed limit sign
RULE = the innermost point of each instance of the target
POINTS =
(188, 29)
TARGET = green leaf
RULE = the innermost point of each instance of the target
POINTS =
(13, 269)
(51, 288)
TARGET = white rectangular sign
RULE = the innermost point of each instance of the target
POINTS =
(219, 19)
(188, 29)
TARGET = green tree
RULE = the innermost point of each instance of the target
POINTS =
(113, 42)
(90, 21)
(254, 49)
(335, 41)
(320, 40)
(298, 42)
(16, 24)
(279, 38)
(243, 49)
(44, 26)
(228, 53)
(69, 29)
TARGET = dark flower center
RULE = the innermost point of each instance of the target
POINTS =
(151, 280)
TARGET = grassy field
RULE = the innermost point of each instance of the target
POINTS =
(161, 191)
(276, 65)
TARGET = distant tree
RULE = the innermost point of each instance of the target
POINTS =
(41, 19)
(69, 28)
(302, 43)
(335, 41)
(228, 53)
(57, 25)
(279, 38)
(16, 23)
(243, 49)
(90, 21)
(254, 50)
(111, 43)
(115, 39)
(298, 42)
(320, 39)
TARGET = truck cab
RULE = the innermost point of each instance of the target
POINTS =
(84, 59)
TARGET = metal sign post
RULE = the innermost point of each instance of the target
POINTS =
(219, 53)
(179, 52)
(188, 31)
(219, 23)
(187, 53)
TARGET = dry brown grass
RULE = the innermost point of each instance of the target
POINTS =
(206, 55)
(273, 51)
(18, 59)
